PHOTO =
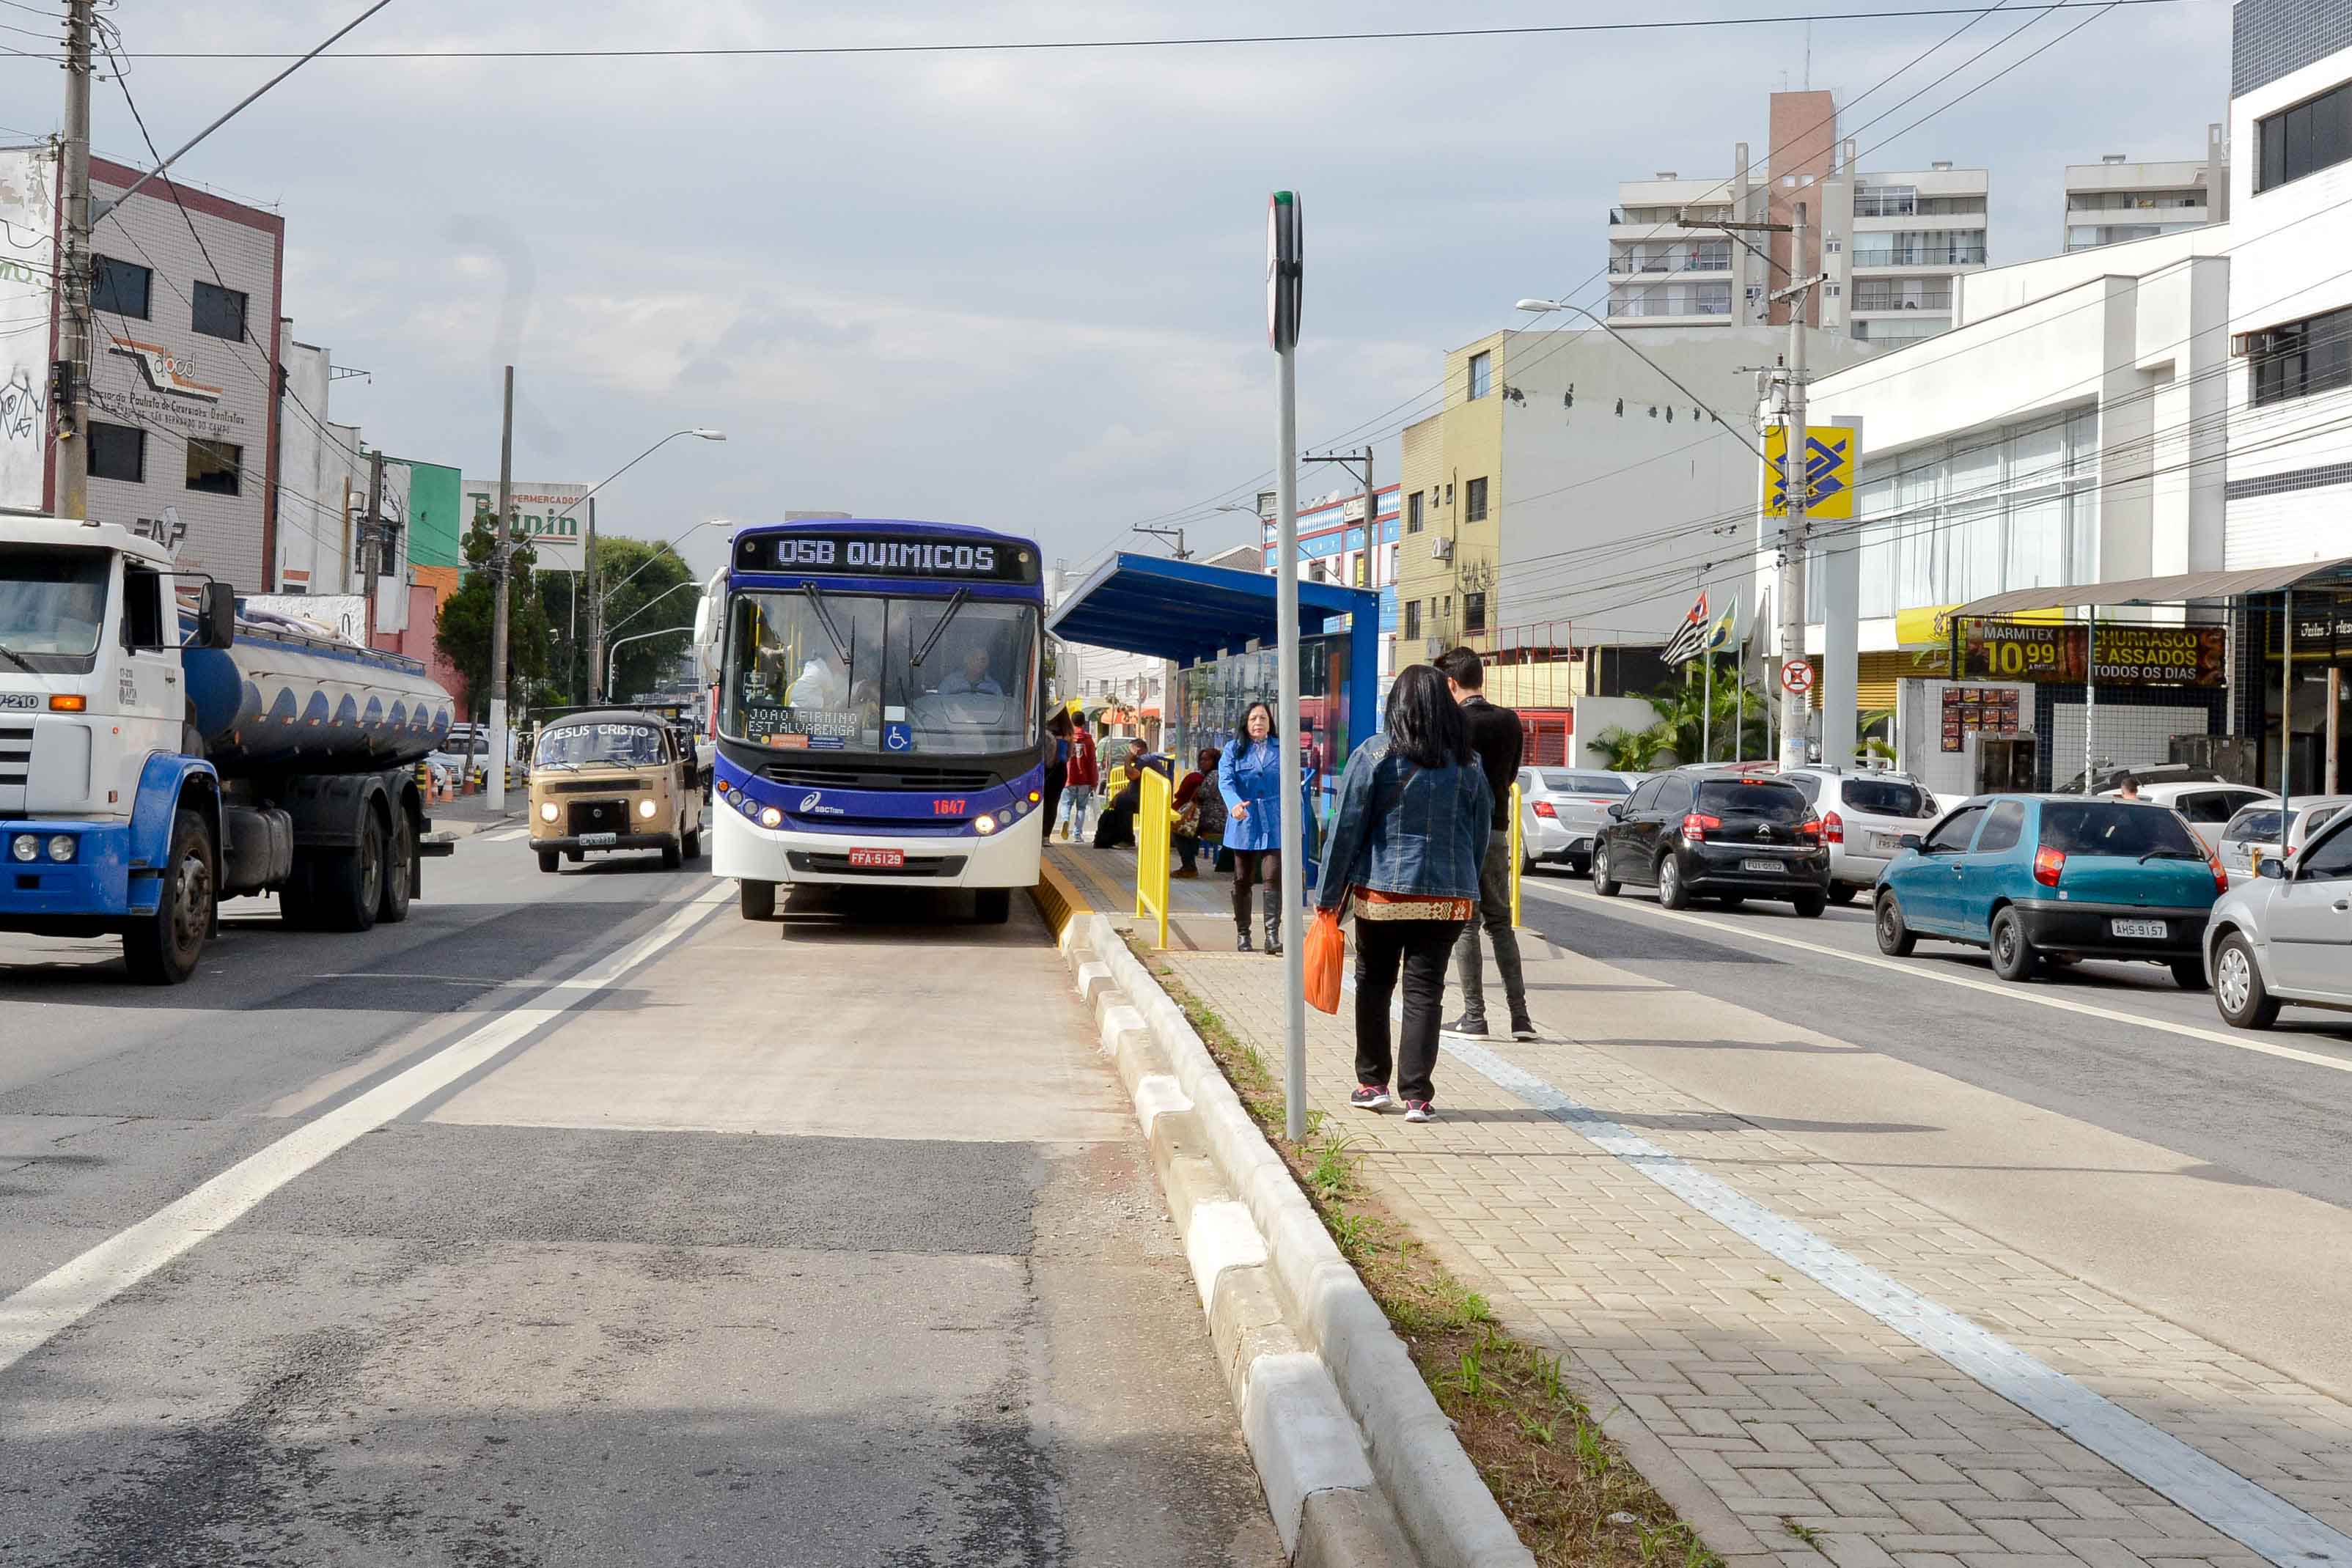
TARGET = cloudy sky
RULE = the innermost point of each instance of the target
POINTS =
(1023, 290)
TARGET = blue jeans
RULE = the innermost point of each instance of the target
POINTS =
(1076, 799)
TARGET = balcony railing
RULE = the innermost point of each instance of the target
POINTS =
(1690, 261)
(1671, 306)
(1923, 255)
(1921, 299)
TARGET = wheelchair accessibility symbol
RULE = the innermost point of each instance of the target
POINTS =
(897, 737)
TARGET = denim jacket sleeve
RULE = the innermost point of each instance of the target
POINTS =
(1351, 825)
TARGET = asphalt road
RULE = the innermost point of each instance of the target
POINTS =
(2255, 1117)
(578, 1221)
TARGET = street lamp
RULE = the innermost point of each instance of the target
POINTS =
(1617, 337)
(613, 666)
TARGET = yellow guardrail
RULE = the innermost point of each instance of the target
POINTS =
(1518, 856)
(1154, 818)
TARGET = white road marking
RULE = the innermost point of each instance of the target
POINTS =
(2006, 992)
(504, 834)
(60, 1298)
(2224, 1498)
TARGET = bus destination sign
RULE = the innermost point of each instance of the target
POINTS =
(851, 554)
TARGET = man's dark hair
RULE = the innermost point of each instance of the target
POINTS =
(1423, 721)
(2127, 781)
(1462, 667)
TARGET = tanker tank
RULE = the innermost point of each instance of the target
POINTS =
(283, 698)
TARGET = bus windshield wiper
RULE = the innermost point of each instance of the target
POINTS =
(17, 659)
(824, 619)
(941, 630)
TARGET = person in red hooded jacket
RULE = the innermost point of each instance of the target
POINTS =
(1081, 777)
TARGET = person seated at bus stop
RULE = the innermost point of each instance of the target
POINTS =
(974, 677)
(1115, 828)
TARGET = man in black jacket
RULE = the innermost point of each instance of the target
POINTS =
(1495, 732)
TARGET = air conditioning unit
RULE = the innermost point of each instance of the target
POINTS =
(1442, 549)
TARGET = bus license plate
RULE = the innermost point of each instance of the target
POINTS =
(888, 859)
(598, 841)
(2153, 929)
(1759, 865)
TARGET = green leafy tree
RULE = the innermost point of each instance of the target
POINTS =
(1683, 712)
(462, 629)
(1878, 733)
(1633, 751)
(646, 589)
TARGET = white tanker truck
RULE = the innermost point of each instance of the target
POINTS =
(156, 757)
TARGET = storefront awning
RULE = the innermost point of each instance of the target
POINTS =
(2189, 587)
(1186, 612)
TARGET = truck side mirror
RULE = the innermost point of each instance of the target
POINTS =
(216, 616)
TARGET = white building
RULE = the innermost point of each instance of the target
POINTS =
(2115, 199)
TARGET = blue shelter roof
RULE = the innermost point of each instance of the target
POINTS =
(1185, 611)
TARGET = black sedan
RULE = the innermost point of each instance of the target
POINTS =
(1715, 835)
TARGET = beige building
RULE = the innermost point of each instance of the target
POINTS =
(2115, 199)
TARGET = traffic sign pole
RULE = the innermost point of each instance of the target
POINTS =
(1282, 302)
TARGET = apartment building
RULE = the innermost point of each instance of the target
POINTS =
(1337, 544)
(1889, 243)
(2115, 199)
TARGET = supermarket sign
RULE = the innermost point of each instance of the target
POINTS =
(2129, 653)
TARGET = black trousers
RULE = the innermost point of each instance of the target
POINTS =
(1420, 948)
(1250, 868)
(1056, 777)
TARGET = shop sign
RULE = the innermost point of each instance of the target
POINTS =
(2130, 653)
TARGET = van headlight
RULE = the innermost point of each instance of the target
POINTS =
(25, 847)
(61, 846)
(547, 810)
(647, 809)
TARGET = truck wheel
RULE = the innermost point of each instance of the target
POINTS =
(350, 882)
(549, 859)
(992, 906)
(298, 899)
(758, 900)
(399, 866)
(161, 949)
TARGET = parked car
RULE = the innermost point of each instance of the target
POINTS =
(1696, 834)
(2057, 877)
(1864, 817)
(2261, 831)
(2285, 936)
(2208, 804)
(2148, 773)
(1560, 810)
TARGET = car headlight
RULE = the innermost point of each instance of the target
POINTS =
(547, 810)
(25, 847)
(61, 846)
(984, 823)
(771, 818)
(646, 807)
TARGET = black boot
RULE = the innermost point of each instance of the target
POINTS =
(1274, 936)
(1242, 945)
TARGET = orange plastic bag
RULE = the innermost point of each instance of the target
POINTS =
(1327, 950)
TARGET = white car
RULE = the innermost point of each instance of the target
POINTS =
(2285, 934)
(2254, 833)
(2207, 805)
(1560, 809)
(1865, 816)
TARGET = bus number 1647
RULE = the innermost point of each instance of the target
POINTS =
(947, 808)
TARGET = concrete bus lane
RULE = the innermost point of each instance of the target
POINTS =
(823, 1240)
(2205, 1184)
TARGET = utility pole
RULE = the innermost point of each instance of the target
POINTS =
(1796, 447)
(499, 552)
(372, 539)
(595, 612)
(1166, 536)
(74, 271)
(1349, 460)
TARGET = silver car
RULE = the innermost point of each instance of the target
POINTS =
(2255, 834)
(1560, 809)
(1865, 816)
(2285, 934)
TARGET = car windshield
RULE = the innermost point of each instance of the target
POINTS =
(824, 670)
(2255, 824)
(51, 601)
(1773, 800)
(1885, 797)
(2098, 828)
(1585, 783)
(599, 745)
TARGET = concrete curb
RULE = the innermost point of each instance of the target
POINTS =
(1360, 1465)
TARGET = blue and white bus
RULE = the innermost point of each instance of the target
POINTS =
(880, 709)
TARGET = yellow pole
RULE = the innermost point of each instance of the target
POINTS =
(1517, 859)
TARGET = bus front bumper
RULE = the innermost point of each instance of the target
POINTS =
(742, 849)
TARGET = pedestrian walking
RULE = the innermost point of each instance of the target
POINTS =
(1251, 776)
(1057, 766)
(1079, 782)
(1496, 736)
(1404, 849)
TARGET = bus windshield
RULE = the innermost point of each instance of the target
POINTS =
(819, 671)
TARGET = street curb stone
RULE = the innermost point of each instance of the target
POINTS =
(1360, 1465)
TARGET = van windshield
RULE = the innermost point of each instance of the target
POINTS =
(602, 745)
(2100, 828)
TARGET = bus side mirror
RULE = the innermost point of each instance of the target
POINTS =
(216, 616)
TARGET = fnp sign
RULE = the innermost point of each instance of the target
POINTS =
(554, 517)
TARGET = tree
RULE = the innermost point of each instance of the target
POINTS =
(1633, 751)
(645, 590)
(462, 629)
(1683, 711)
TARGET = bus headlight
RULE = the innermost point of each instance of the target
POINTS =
(771, 818)
(547, 810)
(984, 823)
(61, 847)
(25, 847)
(646, 808)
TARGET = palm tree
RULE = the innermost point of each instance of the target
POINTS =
(1633, 751)
(1683, 708)
(1879, 745)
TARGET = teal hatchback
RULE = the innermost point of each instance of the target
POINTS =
(2055, 878)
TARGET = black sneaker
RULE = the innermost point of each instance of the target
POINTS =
(1523, 1028)
(1420, 1111)
(1369, 1097)
(1469, 1025)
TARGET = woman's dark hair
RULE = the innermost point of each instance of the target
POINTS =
(1208, 758)
(1273, 726)
(1424, 723)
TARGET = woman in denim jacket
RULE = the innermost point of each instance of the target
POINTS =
(1405, 844)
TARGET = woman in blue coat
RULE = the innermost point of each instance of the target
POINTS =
(1250, 776)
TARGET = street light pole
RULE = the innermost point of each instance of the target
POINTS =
(612, 674)
(500, 551)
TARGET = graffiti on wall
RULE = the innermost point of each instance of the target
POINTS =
(28, 261)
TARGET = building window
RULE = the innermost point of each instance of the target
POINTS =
(217, 312)
(1412, 513)
(119, 287)
(1886, 202)
(1360, 567)
(118, 452)
(1473, 614)
(2301, 358)
(214, 466)
(1449, 493)
(1412, 617)
(1831, 289)
(1832, 246)
(2313, 135)
(1482, 375)
(1474, 501)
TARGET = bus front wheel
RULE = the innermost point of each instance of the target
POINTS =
(758, 900)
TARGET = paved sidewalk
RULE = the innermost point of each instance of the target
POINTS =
(1788, 1423)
